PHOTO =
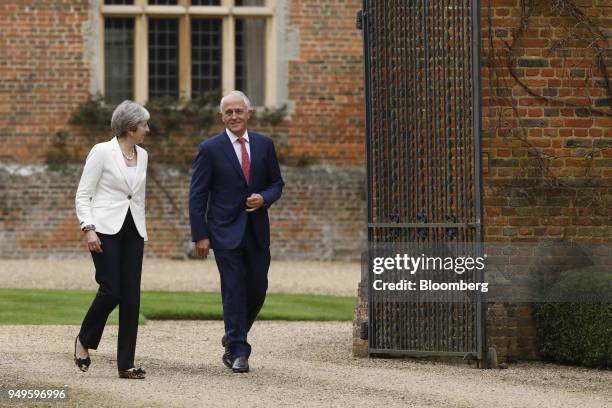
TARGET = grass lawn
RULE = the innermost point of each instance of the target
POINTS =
(50, 306)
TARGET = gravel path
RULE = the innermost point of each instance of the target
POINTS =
(335, 278)
(293, 364)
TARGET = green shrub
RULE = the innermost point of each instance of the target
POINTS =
(577, 332)
(58, 154)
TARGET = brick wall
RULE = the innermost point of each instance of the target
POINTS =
(547, 144)
(511, 331)
(326, 82)
(43, 70)
(321, 215)
(547, 137)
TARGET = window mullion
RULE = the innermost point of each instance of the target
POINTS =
(208, 11)
(121, 11)
(141, 56)
(102, 60)
(185, 53)
(270, 61)
(229, 55)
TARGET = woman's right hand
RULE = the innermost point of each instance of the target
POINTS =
(93, 242)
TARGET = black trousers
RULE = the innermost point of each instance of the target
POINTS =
(244, 282)
(118, 271)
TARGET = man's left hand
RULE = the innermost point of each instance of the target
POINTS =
(254, 201)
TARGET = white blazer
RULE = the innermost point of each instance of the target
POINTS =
(105, 194)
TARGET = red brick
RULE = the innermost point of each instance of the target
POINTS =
(578, 122)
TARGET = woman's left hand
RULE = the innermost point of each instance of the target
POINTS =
(93, 242)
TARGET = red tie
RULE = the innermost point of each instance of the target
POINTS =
(246, 162)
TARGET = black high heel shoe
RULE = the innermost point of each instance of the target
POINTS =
(82, 363)
(133, 374)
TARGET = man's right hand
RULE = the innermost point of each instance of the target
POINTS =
(202, 246)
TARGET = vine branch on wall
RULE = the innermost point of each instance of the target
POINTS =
(579, 32)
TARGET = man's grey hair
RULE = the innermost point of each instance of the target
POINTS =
(246, 99)
(126, 116)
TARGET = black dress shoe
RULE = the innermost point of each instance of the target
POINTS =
(133, 374)
(241, 365)
(228, 360)
(82, 363)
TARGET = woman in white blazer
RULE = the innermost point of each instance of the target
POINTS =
(110, 206)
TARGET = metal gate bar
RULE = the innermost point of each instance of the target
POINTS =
(422, 78)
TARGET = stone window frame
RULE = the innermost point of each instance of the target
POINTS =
(227, 12)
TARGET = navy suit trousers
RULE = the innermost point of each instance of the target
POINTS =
(244, 282)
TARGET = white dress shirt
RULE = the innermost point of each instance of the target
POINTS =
(131, 175)
(236, 144)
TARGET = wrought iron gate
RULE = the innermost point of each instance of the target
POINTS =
(423, 159)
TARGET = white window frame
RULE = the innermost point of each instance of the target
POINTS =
(140, 11)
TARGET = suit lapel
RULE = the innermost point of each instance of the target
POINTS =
(118, 156)
(254, 147)
(229, 151)
(140, 169)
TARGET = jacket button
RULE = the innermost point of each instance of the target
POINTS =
(129, 197)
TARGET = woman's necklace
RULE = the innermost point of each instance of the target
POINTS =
(129, 158)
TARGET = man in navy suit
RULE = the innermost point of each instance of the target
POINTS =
(235, 179)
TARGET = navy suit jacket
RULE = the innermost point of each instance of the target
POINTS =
(218, 193)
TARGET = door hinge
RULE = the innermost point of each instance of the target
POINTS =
(360, 15)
